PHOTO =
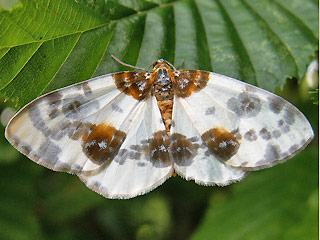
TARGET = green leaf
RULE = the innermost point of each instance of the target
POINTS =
(46, 44)
(274, 203)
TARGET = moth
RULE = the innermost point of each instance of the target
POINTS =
(123, 134)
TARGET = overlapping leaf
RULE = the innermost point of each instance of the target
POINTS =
(46, 44)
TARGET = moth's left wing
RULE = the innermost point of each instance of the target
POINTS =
(239, 125)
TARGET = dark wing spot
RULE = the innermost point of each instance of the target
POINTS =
(116, 108)
(72, 107)
(250, 135)
(158, 149)
(303, 142)
(86, 88)
(136, 147)
(77, 129)
(97, 184)
(54, 98)
(250, 88)
(173, 123)
(243, 164)
(276, 134)
(280, 123)
(53, 113)
(210, 111)
(272, 153)
(236, 133)
(222, 143)
(37, 121)
(122, 156)
(283, 127)
(276, 104)
(135, 155)
(77, 167)
(22, 146)
(289, 117)
(182, 149)
(194, 139)
(246, 105)
(26, 149)
(78, 107)
(49, 152)
(293, 148)
(187, 82)
(140, 164)
(103, 143)
(136, 84)
(265, 134)
(54, 101)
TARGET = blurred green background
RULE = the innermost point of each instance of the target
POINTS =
(276, 203)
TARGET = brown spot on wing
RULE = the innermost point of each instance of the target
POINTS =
(187, 82)
(182, 149)
(222, 143)
(158, 149)
(103, 143)
(136, 84)
(72, 107)
(54, 98)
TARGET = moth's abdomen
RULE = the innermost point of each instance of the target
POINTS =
(164, 94)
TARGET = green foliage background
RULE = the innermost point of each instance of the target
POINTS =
(46, 44)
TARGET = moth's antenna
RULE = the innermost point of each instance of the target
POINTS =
(181, 64)
(169, 63)
(127, 65)
(149, 66)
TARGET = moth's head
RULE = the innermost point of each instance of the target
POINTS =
(162, 64)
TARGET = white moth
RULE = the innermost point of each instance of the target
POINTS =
(125, 133)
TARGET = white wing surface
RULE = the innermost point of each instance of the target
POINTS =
(241, 126)
(192, 158)
(140, 165)
(98, 132)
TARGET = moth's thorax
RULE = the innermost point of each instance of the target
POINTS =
(162, 78)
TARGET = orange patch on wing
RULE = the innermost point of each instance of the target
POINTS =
(190, 81)
(222, 143)
(103, 143)
(158, 149)
(182, 149)
(134, 83)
